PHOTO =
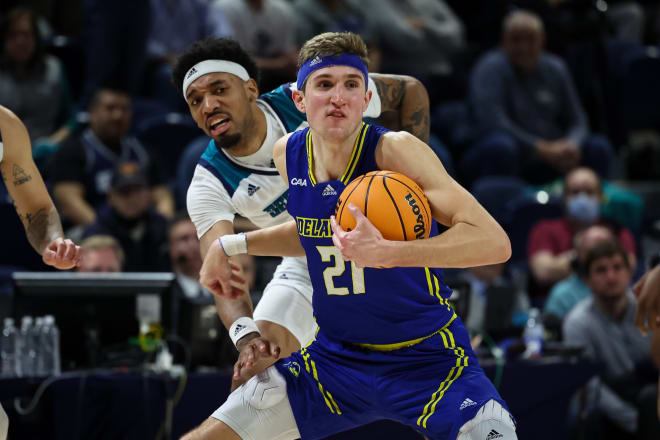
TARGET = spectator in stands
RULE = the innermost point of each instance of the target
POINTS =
(82, 167)
(622, 400)
(192, 20)
(418, 36)
(525, 103)
(130, 218)
(101, 253)
(33, 84)
(266, 30)
(570, 291)
(550, 248)
(185, 256)
(318, 16)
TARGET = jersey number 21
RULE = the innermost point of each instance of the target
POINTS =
(327, 254)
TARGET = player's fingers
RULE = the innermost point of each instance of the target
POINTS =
(234, 266)
(61, 250)
(70, 250)
(275, 350)
(357, 214)
(49, 256)
(637, 288)
(336, 228)
(235, 278)
(337, 242)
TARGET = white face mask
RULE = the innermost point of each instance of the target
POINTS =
(583, 208)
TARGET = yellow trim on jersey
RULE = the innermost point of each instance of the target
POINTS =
(434, 289)
(310, 157)
(355, 155)
(404, 344)
(352, 162)
(455, 372)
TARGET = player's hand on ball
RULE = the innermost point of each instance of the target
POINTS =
(62, 253)
(220, 276)
(256, 353)
(362, 245)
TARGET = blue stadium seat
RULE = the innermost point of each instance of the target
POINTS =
(186, 169)
(166, 136)
(642, 94)
(526, 211)
(495, 193)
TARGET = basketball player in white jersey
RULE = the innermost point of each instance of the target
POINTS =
(236, 175)
(33, 205)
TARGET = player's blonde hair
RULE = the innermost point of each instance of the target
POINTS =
(333, 43)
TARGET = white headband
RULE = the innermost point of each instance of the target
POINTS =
(212, 66)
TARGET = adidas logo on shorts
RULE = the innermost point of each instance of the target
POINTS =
(493, 434)
(329, 191)
(252, 189)
(467, 402)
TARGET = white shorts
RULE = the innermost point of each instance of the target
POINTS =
(287, 300)
(259, 409)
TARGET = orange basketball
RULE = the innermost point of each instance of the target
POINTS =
(394, 203)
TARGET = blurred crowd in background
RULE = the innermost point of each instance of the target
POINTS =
(548, 115)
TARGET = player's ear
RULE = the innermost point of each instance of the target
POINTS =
(252, 89)
(367, 99)
(299, 99)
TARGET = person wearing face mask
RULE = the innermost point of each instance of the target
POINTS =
(550, 248)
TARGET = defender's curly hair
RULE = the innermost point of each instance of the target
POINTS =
(213, 49)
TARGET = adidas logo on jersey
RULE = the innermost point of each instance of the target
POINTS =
(493, 434)
(329, 191)
(252, 189)
(238, 329)
(315, 61)
(467, 402)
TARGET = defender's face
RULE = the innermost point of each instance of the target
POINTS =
(220, 105)
(334, 100)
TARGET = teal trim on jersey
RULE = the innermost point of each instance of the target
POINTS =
(281, 102)
(222, 168)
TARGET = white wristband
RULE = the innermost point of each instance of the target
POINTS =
(234, 244)
(241, 327)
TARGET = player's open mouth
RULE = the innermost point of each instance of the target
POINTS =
(336, 114)
(218, 124)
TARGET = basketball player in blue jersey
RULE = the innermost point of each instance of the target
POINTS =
(389, 346)
(235, 175)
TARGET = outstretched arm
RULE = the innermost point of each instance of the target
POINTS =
(474, 238)
(31, 200)
(407, 97)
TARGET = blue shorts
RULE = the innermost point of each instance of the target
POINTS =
(434, 386)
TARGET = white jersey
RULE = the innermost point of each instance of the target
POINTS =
(223, 185)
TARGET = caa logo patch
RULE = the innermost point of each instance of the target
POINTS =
(298, 182)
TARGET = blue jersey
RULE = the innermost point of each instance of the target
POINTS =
(374, 307)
